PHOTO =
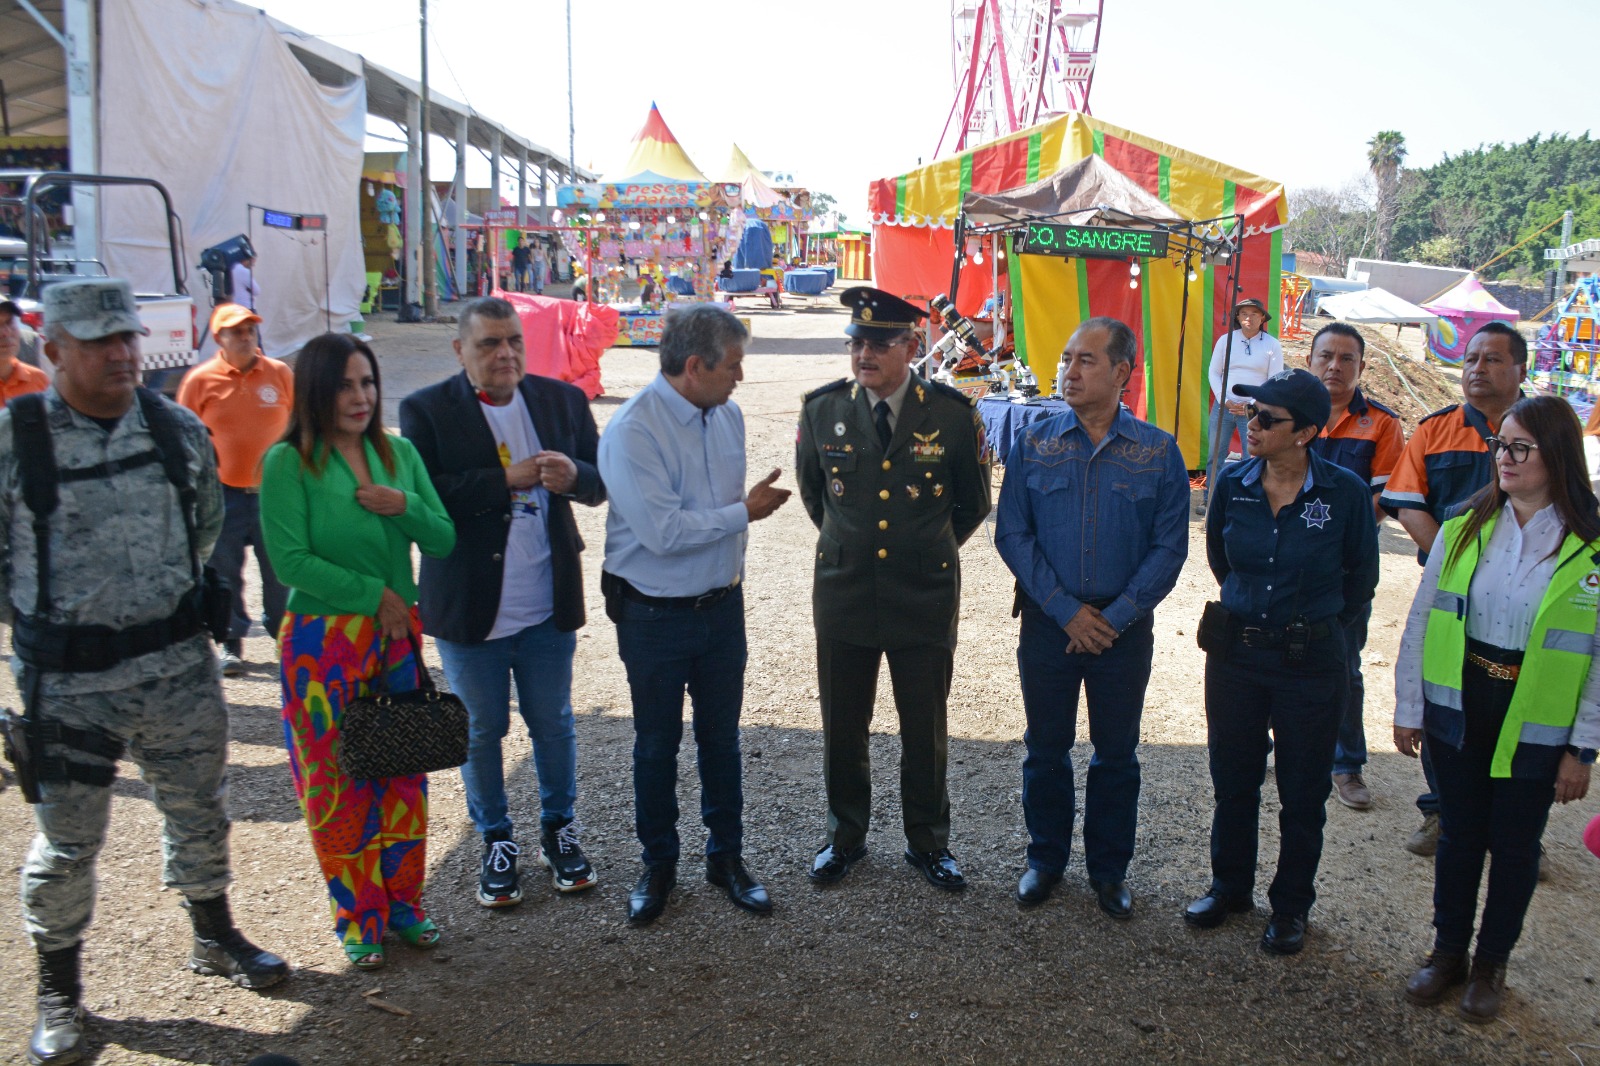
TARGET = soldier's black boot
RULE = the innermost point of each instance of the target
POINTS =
(58, 1036)
(221, 950)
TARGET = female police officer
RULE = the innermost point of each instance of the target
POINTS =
(1290, 538)
(1498, 664)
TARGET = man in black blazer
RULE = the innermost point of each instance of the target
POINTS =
(508, 452)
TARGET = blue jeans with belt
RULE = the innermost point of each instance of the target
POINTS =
(539, 659)
(1114, 682)
(670, 650)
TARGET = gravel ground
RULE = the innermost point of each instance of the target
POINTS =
(882, 968)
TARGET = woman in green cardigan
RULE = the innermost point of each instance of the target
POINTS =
(342, 502)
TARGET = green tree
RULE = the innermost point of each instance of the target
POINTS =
(1385, 152)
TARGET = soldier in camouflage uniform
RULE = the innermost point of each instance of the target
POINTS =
(119, 559)
(893, 471)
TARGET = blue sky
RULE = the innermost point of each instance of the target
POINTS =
(843, 91)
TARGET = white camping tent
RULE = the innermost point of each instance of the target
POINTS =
(1375, 306)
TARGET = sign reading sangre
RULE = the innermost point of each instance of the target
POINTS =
(1046, 238)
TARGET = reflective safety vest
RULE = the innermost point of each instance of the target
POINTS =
(1555, 663)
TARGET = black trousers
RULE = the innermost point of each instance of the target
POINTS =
(1249, 693)
(847, 677)
(1498, 818)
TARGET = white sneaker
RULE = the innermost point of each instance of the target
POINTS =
(230, 664)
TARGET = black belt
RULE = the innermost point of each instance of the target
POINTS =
(63, 649)
(695, 603)
(1277, 636)
(250, 490)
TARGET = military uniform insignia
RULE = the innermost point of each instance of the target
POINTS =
(1317, 514)
(922, 397)
(865, 314)
(853, 390)
(914, 491)
(837, 486)
(838, 429)
(938, 489)
(984, 454)
(925, 450)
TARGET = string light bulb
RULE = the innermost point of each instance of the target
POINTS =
(1192, 274)
(1133, 283)
(1134, 269)
(977, 257)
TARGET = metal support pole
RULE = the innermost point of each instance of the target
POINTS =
(83, 128)
(522, 190)
(416, 201)
(494, 170)
(1561, 264)
(572, 127)
(459, 194)
(544, 192)
(430, 289)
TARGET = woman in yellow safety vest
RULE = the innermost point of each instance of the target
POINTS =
(1498, 663)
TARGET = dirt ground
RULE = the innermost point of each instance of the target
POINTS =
(882, 968)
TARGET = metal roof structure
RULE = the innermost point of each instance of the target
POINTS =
(1583, 257)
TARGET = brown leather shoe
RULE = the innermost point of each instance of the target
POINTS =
(1486, 990)
(1438, 975)
(1352, 791)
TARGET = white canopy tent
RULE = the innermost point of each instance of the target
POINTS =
(1375, 306)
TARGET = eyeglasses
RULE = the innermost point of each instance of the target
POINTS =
(1518, 450)
(855, 346)
(1265, 419)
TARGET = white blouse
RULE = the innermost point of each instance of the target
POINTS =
(1507, 587)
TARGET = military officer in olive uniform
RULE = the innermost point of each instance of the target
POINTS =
(894, 472)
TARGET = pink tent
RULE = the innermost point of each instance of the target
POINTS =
(1463, 311)
(564, 339)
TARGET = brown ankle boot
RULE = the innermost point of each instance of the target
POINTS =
(1438, 975)
(1486, 990)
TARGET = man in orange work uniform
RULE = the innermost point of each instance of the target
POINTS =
(244, 398)
(16, 377)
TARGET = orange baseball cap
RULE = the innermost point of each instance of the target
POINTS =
(230, 314)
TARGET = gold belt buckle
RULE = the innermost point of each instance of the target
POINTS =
(1498, 671)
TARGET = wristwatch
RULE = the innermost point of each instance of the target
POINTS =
(1583, 755)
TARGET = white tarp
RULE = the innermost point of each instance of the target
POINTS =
(206, 97)
(1374, 305)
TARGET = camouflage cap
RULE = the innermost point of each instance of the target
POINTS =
(91, 308)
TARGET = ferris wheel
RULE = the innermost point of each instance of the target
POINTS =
(1017, 63)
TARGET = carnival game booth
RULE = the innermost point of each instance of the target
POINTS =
(655, 214)
(1462, 311)
(1567, 351)
(1047, 295)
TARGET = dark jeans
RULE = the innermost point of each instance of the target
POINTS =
(1350, 751)
(241, 529)
(1114, 682)
(1501, 818)
(1250, 691)
(1428, 802)
(668, 651)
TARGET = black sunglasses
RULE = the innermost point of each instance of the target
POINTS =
(1265, 419)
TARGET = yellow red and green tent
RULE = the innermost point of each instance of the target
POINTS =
(914, 215)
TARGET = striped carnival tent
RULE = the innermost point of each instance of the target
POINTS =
(914, 218)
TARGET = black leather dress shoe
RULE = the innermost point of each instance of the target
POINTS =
(728, 872)
(1114, 897)
(1035, 887)
(832, 863)
(1285, 935)
(1213, 908)
(939, 867)
(649, 896)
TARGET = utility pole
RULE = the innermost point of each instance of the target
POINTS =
(572, 136)
(430, 292)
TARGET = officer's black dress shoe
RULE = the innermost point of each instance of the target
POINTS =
(1035, 887)
(832, 863)
(649, 896)
(1213, 908)
(1286, 934)
(939, 867)
(728, 872)
(1114, 897)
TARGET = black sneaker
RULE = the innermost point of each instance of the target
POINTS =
(497, 877)
(559, 852)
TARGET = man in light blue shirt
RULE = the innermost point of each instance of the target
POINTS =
(673, 462)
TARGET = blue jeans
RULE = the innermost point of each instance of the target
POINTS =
(669, 651)
(1350, 751)
(1114, 682)
(241, 529)
(539, 658)
(1428, 802)
(1223, 423)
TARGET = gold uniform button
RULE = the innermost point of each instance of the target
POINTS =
(883, 553)
(835, 470)
(886, 464)
(883, 523)
(944, 566)
(929, 474)
(883, 494)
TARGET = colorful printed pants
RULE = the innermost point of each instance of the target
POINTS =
(370, 836)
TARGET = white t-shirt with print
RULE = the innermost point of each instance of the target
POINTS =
(526, 593)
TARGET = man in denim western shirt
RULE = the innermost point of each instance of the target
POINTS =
(1093, 521)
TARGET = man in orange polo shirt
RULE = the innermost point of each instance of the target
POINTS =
(244, 399)
(16, 377)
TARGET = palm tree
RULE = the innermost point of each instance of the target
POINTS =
(1385, 152)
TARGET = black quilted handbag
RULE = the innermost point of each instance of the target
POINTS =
(397, 734)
